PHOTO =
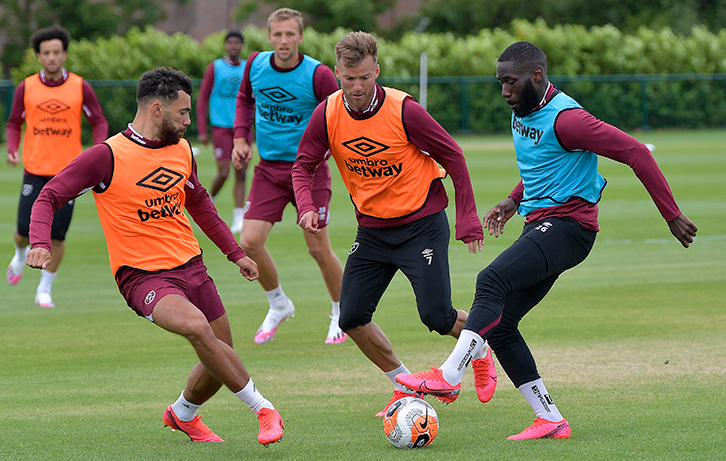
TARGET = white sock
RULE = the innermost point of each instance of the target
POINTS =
(335, 312)
(252, 397)
(277, 298)
(184, 409)
(46, 281)
(211, 197)
(18, 262)
(536, 395)
(21, 253)
(392, 376)
(238, 213)
(482, 352)
(468, 345)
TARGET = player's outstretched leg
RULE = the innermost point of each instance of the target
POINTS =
(430, 382)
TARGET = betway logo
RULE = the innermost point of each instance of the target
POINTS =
(166, 211)
(374, 171)
(527, 132)
(274, 115)
(166, 206)
(64, 132)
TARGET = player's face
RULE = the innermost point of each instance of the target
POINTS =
(517, 88)
(358, 82)
(233, 47)
(285, 37)
(52, 57)
(175, 119)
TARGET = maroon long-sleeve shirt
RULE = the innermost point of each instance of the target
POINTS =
(93, 169)
(427, 135)
(577, 129)
(91, 109)
(324, 84)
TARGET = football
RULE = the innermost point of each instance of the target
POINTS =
(410, 423)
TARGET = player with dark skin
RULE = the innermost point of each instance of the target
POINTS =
(557, 143)
(217, 96)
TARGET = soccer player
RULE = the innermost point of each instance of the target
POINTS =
(50, 103)
(217, 96)
(279, 90)
(557, 143)
(142, 180)
(387, 147)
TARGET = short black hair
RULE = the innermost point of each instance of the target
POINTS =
(50, 33)
(234, 33)
(524, 53)
(162, 83)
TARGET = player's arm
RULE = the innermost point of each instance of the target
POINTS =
(244, 118)
(91, 168)
(578, 129)
(311, 152)
(14, 126)
(203, 212)
(430, 137)
(205, 90)
(324, 82)
(94, 113)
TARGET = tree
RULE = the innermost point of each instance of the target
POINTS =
(327, 15)
(464, 17)
(83, 18)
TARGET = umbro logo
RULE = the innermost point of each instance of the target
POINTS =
(161, 179)
(53, 106)
(232, 80)
(278, 94)
(365, 146)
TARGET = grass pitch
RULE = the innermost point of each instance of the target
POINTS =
(630, 343)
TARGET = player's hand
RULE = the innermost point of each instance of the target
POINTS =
(248, 268)
(38, 258)
(683, 229)
(203, 138)
(241, 153)
(476, 245)
(13, 158)
(309, 222)
(499, 215)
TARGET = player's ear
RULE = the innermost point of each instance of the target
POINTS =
(156, 108)
(537, 74)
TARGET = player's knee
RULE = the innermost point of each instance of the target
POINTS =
(198, 331)
(320, 253)
(347, 323)
(251, 245)
(438, 320)
(489, 285)
(350, 319)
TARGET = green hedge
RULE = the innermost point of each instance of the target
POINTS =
(571, 50)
